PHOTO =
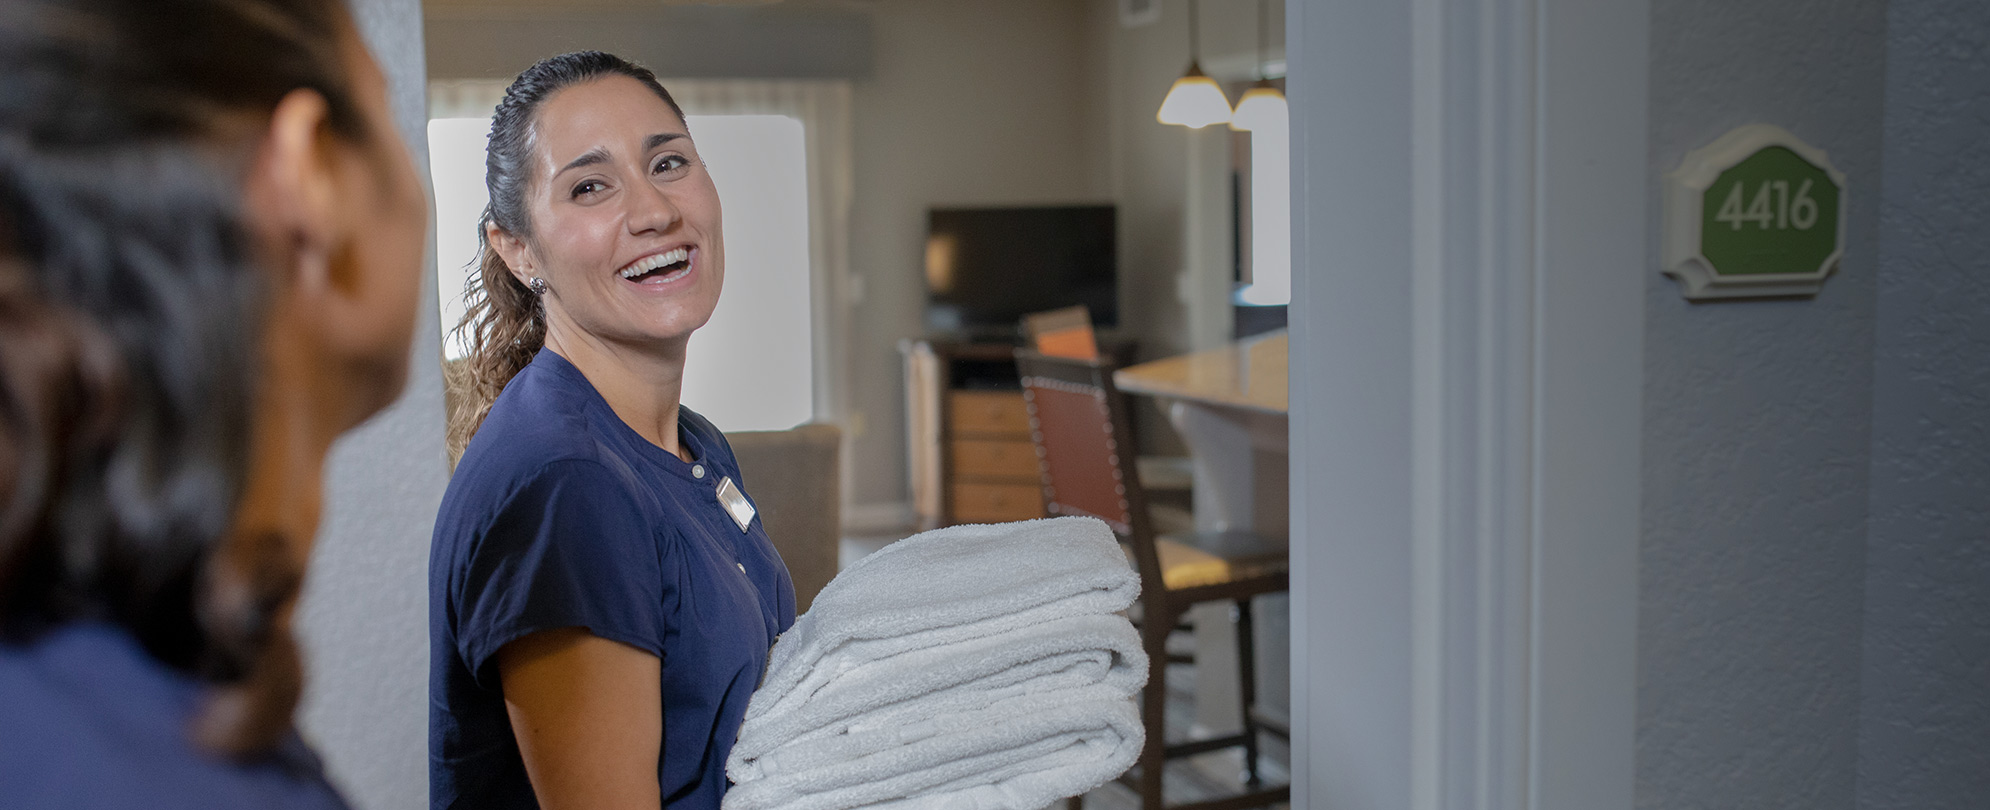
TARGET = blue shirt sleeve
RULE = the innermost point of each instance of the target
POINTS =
(569, 549)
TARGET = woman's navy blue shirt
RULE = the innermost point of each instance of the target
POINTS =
(560, 515)
(89, 719)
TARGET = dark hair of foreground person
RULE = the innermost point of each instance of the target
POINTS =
(205, 276)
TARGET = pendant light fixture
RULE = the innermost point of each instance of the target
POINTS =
(1195, 101)
(1262, 105)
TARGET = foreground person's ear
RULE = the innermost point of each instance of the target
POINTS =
(291, 192)
(315, 193)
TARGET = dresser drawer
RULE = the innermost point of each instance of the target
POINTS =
(996, 458)
(987, 413)
(996, 503)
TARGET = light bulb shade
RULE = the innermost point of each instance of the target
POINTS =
(1194, 102)
(1261, 106)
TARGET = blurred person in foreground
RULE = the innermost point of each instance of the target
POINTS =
(602, 596)
(210, 245)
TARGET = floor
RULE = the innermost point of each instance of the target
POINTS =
(1209, 776)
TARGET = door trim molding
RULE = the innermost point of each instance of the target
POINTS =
(1469, 208)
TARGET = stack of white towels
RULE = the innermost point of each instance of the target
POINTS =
(967, 668)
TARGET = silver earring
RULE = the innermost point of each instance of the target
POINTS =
(538, 285)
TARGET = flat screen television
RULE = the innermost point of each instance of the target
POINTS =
(988, 267)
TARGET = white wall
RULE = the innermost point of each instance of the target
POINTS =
(363, 618)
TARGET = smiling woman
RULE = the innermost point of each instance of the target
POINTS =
(602, 594)
(761, 165)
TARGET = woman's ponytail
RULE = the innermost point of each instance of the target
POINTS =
(504, 325)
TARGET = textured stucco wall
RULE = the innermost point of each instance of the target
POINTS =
(364, 616)
(1925, 733)
(1757, 434)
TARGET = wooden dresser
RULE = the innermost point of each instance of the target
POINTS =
(993, 466)
(971, 456)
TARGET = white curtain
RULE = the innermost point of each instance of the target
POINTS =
(823, 107)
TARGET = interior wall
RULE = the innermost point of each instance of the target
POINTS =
(495, 39)
(968, 103)
(1924, 738)
(1172, 183)
(1757, 437)
(1149, 172)
(363, 618)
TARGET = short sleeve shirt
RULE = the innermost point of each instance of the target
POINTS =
(88, 719)
(560, 515)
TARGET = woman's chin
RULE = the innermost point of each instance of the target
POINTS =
(668, 328)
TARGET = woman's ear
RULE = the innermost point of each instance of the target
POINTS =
(292, 191)
(517, 258)
(339, 222)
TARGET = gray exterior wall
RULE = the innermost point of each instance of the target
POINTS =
(1924, 737)
(364, 616)
(1757, 438)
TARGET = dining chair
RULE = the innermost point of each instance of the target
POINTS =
(1068, 332)
(1063, 332)
(1078, 422)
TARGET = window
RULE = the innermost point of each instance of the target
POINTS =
(1271, 218)
(1267, 263)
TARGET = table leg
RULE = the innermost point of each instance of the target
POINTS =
(1241, 483)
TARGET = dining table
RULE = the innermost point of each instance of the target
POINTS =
(1229, 405)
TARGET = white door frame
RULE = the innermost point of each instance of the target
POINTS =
(1470, 214)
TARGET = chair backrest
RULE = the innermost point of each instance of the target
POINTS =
(793, 477)
(1084, 445)
(1063, 332)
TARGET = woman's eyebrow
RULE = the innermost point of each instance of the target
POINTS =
(597, 155)
(590, 158)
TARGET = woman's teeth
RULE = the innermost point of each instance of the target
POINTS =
(651, 264)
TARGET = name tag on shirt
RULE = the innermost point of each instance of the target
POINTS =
(735, 503)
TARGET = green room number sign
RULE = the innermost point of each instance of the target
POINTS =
(1755, 213)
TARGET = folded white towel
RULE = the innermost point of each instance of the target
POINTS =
(1072, 653)
(972, 667)
(949, 585)
(1018, 754)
